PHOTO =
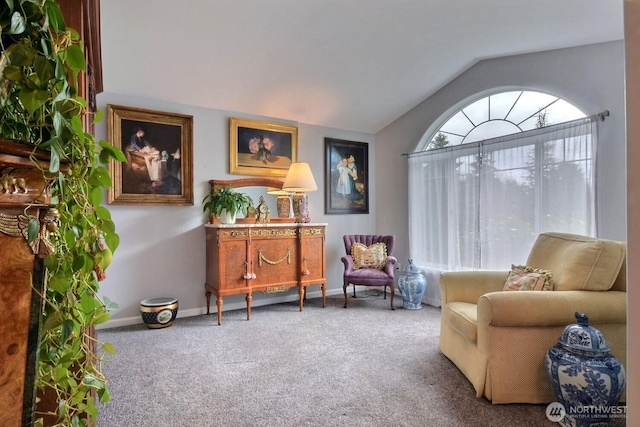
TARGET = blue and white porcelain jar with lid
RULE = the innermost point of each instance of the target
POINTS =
(412, 284)
(587, 380)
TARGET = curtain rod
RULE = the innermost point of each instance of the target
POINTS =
(604, 114)
(601, 116)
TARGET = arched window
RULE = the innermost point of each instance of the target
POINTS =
(503, 114)
(496, 174)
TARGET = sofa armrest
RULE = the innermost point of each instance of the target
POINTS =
(550, 308)
(468, 286)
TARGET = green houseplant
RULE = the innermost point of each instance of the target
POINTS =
(40, 61)
(226, 199)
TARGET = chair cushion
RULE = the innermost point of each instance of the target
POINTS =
(578, 262)
(374, 256)
(463, 317)
(523, 278)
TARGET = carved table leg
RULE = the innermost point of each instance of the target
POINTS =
(219, 304)
(249, 298)
(323, 288)
(208, 296)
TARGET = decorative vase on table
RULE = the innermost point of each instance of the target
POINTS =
(587, 380)
(412, 284)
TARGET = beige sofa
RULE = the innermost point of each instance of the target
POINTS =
(499, 339)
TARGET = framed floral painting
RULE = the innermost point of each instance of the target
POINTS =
(261, 148)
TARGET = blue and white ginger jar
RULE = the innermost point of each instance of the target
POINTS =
(412, 285)
(585, 377)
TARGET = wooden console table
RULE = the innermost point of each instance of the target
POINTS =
(268, 258)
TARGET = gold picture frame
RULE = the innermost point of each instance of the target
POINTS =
(261, 148)
(159, 150)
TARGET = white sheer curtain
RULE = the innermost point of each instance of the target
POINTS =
(482, 205)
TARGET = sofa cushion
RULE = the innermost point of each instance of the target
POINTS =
(463, 317)
(523, 278)
(374, 256)
(578, 262)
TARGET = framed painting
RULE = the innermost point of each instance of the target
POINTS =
(261, 148)
(159, 151)
(346, 178)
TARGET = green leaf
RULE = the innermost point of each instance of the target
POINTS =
(47, 144)
(52, 321)
(103, 258)
(109, 305)
(21, 55)
(76, 124)
(54, 162)
(109, 348)
(104, 395)
(108, 227)
(88, 303)
(44, 70)
(13, 73)
(113, 241)
(61, 405)
(75, 57)
(103, 213)
(98, 116)
(96, 196)
(59, 284)
(32, 99)
(54, 15)
(78, 263)
(100, 177)
(101, 318)
(18, 24)
(67, 329)
(58, 122)
(33, 229)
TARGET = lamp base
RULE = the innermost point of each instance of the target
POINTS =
(284, 206)
(301, 207)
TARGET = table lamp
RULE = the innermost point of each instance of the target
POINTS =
(283, 201)
(300, 180)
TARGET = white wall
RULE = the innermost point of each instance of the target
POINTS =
(162, 249)
(590, 77)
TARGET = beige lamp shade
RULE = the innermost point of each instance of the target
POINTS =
(299, 178)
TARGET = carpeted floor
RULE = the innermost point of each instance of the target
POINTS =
(363, 366)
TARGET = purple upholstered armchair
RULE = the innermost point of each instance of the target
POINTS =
(368, 276)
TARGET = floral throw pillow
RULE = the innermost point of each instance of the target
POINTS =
(523, 278)
(374, 256)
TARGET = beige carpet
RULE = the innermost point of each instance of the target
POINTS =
(362, 366)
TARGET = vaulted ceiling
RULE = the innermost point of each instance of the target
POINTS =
(347, 64)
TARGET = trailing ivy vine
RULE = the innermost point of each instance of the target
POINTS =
(40, 61)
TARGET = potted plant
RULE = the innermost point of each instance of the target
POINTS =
(40, 106)
(226, 203)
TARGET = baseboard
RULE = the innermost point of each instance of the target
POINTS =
(227, 307)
